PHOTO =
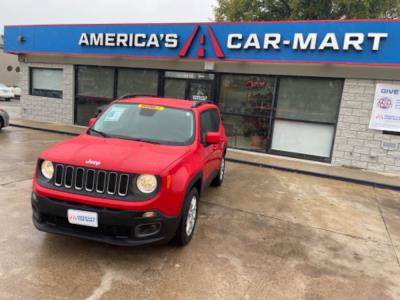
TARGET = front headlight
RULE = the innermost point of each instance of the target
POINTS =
(147, 184)
(47, 169)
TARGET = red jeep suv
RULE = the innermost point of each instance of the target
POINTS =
(135, 175)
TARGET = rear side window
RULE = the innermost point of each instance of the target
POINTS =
(209, 121)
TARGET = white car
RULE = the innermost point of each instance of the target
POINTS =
(17, 92)
(6, 92)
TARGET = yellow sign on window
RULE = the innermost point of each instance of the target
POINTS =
(149, 106)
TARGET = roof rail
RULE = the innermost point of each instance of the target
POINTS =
(134, 96)
(201, 102)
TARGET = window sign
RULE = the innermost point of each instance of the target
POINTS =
(386, 109)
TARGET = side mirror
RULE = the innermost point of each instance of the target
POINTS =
(213, 138)
(92, 121)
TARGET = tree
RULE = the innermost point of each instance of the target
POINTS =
(264, 10)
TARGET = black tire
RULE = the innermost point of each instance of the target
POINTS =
(219, 179)
(1, 123)
(8, 99)
(182, 238)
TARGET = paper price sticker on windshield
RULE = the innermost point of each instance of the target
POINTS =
(114, 114)
(149, 106)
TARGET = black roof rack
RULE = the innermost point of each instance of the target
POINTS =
(198, 103)
(134, 96)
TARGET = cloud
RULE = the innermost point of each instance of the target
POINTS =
(15, 12)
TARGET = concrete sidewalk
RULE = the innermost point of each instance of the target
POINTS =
(317, 169)
(264, 234)
(265, 160)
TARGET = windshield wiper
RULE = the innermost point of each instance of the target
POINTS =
(144, 141)
(98, 132)
(136, 139)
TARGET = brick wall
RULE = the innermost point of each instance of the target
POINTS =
(45, 108)
(355, 144)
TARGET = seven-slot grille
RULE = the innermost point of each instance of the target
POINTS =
(91, 180)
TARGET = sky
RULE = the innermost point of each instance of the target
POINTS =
(14, 12)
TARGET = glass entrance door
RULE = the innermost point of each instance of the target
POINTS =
(193, 86)
(200, 90)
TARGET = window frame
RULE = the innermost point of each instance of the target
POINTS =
(31, 93)
(301, 155)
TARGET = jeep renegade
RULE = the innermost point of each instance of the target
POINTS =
(135, 176)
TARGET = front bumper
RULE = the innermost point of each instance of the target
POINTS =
(6, 95)
(117, 227)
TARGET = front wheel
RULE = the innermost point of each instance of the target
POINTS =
(186, 227)
(220, 178)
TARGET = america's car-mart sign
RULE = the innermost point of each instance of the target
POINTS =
(358, 42)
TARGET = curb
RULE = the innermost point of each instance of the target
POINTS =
(44, 129)
(317, 174)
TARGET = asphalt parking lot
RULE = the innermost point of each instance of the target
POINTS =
(264, 234)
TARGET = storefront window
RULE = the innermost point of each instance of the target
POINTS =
(246, 103)
(95, 89)
(303, 138)
(96, 82)
(246, 132)
(138, 82)
(47, 82)
(306, 115)
(174, 88)
(315, 100)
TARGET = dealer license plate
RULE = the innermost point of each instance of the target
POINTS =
(84, 218)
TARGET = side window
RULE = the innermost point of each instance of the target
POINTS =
(215, 119)
(209, 121)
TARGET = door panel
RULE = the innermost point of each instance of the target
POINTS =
(211, 153)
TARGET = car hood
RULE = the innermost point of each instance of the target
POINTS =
(115, 154)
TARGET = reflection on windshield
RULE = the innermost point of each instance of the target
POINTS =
(147, 123)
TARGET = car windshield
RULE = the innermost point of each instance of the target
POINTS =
(148, 123)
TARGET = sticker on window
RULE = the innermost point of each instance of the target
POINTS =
(149, 106)
(114, 114)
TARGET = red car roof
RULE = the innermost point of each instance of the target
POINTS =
(169, 102)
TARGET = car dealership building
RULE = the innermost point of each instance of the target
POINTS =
(320, 90)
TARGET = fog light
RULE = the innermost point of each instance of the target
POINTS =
(145, 230)
(149, 214)
(34, 197)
